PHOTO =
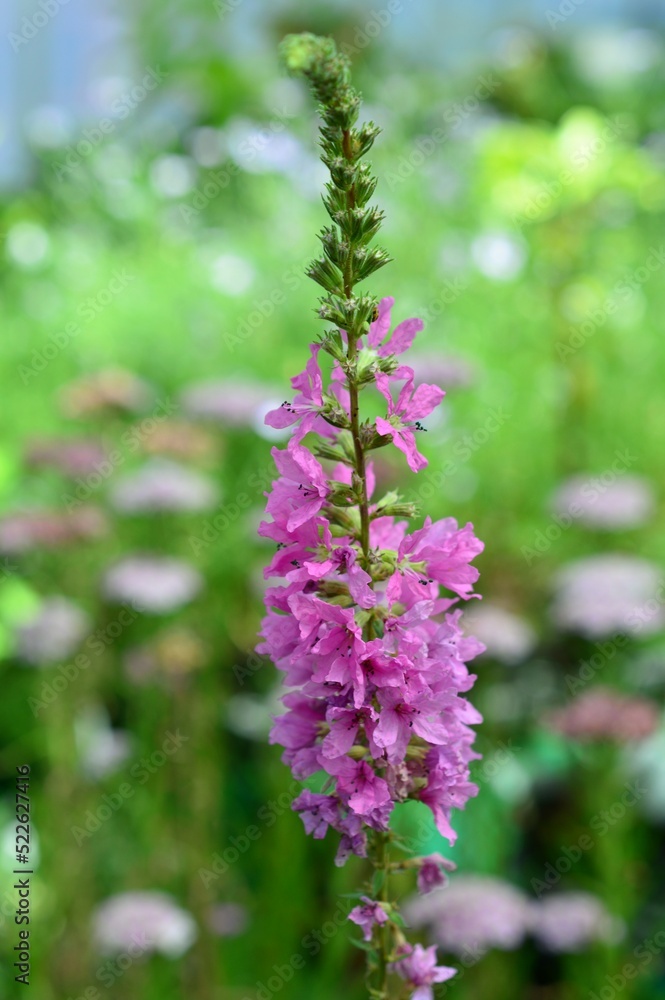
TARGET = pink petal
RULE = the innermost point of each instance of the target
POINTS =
(380, 326)
(402, 338)
(424, 400)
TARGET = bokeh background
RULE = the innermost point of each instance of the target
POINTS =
(159, 201)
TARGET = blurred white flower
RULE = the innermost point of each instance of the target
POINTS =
(173, 176)
(506, 636)
(54, 633)
(498, 255)
(231, 274)
(28, 244)
(152, 584)
(612, 56)
(208, 146)
(102, 749)
(143, 922)
(48, 126)
(163, 485)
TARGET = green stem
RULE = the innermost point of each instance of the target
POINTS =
(382, 864)
(352, 354)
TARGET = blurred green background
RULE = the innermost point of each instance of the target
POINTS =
(154, 308)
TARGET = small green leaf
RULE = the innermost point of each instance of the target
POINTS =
(378, 881)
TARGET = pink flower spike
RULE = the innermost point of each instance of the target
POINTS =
(362, 615)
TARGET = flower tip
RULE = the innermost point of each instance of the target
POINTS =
(301, 53)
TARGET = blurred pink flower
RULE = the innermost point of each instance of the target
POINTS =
(50, 529)
(366, 916)
(71, 456)
(571, 921)
(234, 402)
(627, 502)
(472, 914)
(603, 594)
(604, 714)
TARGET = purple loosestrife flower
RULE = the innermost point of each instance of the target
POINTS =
(362, 618)
(301, 490)
(368, 916)
(431, 872)
(402, 336)
(405, 415)
(307, 405)
(420, 970)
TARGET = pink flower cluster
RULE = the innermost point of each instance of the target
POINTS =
(372, 651)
